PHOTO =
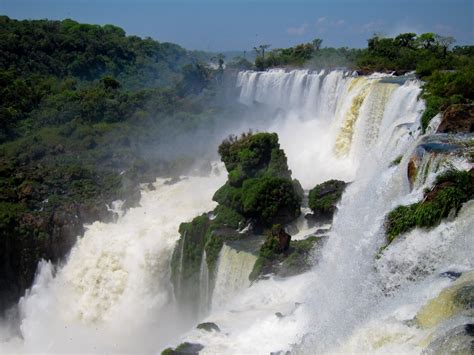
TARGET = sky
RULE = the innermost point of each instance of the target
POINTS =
(223, 25)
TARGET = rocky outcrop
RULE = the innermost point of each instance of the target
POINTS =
(184, 349)
(47, 235)
(280, 256)
(436, 146)
(209, 327)
(450, 191)
(259, 193)
(457, 119)
(324, 197)
(259, 185)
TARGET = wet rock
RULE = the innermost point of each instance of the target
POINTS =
(184, 349)
(464, 298)
(324, 197)
(458, 340)
(453, 275)
(412, 169)
(283, 239)
(321, 231)
(208, 327)
(457, 119)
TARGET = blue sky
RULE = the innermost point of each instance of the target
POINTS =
(230, 24)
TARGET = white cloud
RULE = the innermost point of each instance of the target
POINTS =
(299, 30)
(323, 24)
(321, 20)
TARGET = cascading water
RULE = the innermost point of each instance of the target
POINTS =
(204, 286)
(114, 292)
(346, 302)
(233, 270)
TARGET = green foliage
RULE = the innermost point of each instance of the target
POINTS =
(270, 200)
(213, 248)
(226, 216)
(253, 155)
(295, 260)
(451, 190)
(324, 197)
(230, 197)
(259, 184)
(443, 89)
(396, 161)
(299, 260)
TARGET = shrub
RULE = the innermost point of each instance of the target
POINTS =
(323, 198)
(451, 190)
(270, 200)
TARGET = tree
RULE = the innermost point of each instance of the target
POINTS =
(219, 60)
(426, 40)
(445, 42)
(405, 39)
(260, 50)
(317, 43)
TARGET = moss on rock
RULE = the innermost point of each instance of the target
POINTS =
(324, 197)
(283, 257)
(450, 191)
(259, 184)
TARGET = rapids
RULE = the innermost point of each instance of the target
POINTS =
(114, 292)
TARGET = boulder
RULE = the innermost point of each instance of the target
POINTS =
(184, 349)
(457, 119)
(324, 197)
(208, 327)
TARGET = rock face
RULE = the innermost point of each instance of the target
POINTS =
(457, 119)
(455, 341)
(259, 183)
(324, 197)
(259, 193)
(283, 240)
(47, 236)
(280, 256)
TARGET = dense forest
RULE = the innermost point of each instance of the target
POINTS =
(87, 113)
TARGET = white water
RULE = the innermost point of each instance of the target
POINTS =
(344, 307)
(233, 270)
(114, 292)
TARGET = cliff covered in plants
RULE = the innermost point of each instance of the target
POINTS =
(86, 114)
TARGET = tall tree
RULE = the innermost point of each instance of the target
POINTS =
(445, 42)
(426, 40)
(317, 42)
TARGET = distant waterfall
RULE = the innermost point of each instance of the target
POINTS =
(333, 120)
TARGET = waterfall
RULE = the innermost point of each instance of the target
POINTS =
(233, 270)
(204, 286)
(114, 292)
(351, 301)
